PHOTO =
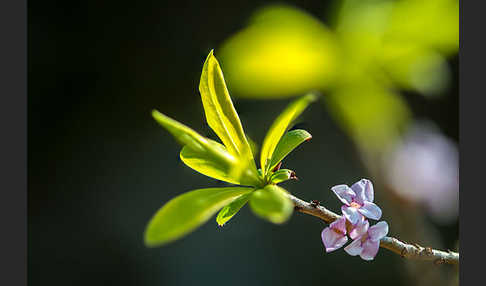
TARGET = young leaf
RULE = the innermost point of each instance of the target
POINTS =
(279, 127)
(183, 134)
(289, 142)
(282, 175)
(272, 204)
(204, 163)
(199, 146)
(220, 112)
(253, 145)
(186, 212)
(231, 209)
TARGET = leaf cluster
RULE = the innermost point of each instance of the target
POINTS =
(231, 160)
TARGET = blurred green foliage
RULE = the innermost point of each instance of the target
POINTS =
(282, 52)
(373, 49)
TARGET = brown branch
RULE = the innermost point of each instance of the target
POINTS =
(405, 250)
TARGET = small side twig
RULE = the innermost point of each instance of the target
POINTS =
(405, 250)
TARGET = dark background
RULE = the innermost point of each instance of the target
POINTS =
(99, 166)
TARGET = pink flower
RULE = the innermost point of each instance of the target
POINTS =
(358, 201)
(358, 206)
(334, 236)
(367, 245)
(359, 229)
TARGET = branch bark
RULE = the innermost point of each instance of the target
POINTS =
(405, 250)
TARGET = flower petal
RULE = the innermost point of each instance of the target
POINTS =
(358, 189)
(370, 210)
(359, 229)
(351, 213)
(339, 224)
(354, 248)
(370, 249)
(363, 190)
(369, 191)
(344, 193)
(378, 231)
(332, 240)
(340, 242)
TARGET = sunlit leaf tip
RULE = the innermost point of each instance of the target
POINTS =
(182, 133)
(280, 125)
(287, 144)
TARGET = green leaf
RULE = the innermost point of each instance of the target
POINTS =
(272, 204)
(208, 156)
(279, 127)
(289, 142)
(183, 134)
(204, 163)
(282, 175)
(253, 145)
(231, 209)
(220, 112)
(194, 141)
(186, 212)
